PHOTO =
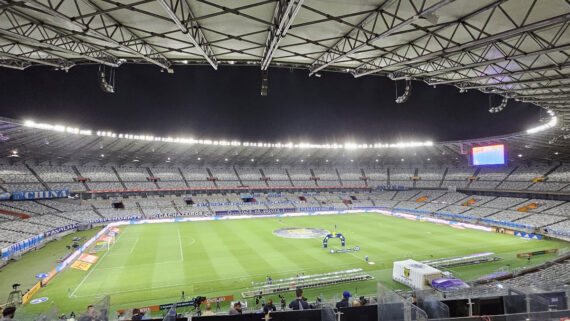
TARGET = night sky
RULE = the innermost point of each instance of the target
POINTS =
(198, 102)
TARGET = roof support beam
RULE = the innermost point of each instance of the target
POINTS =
(503, 74)
(376, 65)
(25, 28)
(285, 12)
(33, 55)
(352, 42)
(124, 40)
(37, 61)
(14, 64)
(444, 70)
(520, 82)
(181, 14)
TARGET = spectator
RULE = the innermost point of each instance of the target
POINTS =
(90, 311)
(208, 310)
(344, 302)
(8, 313)
(299, 303)
(137, 315)
(89, 315)
(269, 307)
(237, 309)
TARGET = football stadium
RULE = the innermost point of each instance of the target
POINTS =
(386, 160)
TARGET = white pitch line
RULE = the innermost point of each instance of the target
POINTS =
(95, 265)
(180, 244)
(134, 246)
(203, 281)
(88, 274)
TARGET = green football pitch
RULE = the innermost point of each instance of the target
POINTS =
(152, 263)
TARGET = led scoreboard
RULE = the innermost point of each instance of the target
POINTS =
(488, 155)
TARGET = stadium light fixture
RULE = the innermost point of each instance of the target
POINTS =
(199, 158)
(190, 141)
(102, 155)
(556, 153)
(350, 146)
(551, 123)
(376, 161)
(499, 108)
(402, 159)
(277, 160)
(407, 93)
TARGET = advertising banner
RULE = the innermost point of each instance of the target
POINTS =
(33, 195)
(88, 258)
(31, 292)
(80, 265)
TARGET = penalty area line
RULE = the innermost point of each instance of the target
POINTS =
(93, 267)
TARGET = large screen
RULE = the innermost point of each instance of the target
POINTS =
(488, 155)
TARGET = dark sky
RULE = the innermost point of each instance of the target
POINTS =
(198, 102)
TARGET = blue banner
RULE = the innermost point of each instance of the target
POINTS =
(528, 235)
(21, 246)
(257, 211)
(32, 195)
(61, 229)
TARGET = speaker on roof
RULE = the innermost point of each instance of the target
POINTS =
(264, 82)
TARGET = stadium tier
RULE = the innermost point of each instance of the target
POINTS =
(526, 200)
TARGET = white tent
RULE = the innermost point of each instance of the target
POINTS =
(415, 274)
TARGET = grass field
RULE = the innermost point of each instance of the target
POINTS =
(153, 263)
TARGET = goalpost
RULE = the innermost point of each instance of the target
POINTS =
(110, 240)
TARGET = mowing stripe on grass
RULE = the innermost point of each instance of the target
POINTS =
(180, 244)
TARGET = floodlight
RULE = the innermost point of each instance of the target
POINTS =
(407, 93)
(499, 108)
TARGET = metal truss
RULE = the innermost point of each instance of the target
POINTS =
(285, 12)
(31, 56)
(109, 33)
(517, 49)
(43, 37)
(363, 35)
(14, 63)
(416, 59)
(180, 12)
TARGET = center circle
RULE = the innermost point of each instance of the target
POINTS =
(300, 232)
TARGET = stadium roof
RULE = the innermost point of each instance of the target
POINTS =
(23, 141)
(517, 48)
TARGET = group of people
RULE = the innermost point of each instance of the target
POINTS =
(8, 313)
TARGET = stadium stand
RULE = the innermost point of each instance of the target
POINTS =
(458, 176)
(377, 176)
